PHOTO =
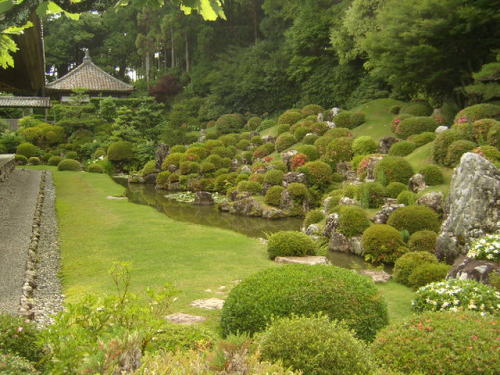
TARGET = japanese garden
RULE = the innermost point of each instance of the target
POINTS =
(249, 187)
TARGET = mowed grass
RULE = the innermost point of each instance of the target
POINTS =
(378, 118)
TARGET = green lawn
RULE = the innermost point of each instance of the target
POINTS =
(378, 118)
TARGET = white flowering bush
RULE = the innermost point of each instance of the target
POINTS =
(486, 248)
(457, 295)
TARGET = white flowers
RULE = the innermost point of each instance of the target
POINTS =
(486, 248)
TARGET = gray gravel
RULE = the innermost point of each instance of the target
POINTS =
(18, 196)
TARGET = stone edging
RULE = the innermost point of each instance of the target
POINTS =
(7, 165)
(26, 304)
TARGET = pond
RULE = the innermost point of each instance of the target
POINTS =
(211, 216)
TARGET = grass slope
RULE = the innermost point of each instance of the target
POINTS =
(378, 118)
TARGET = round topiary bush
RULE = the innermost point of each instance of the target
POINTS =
(349, 120)
(283, 128)
(414, 218)
(382, 244)
(493, 138)
(27, 149)
(252, 187)
(19, 337)
(478, 112)
(181, 148)
(423, 240)
(456, 150)
(263, 150)
(34, 160)
(284, 141)
(69, 165)
(313, 217)
(407, 198)
(352, 221)
(417, 108)
(402, 148)
(393, 169)
(273, 177)
(71, 155)
(432, 175)
(415, 125)
(442, 142)
(442, 343)
(340, 149)
(312, 109)
(290, 117)
(121, 150)
(318, 173)
(230, 123)
(309, 139)
(489, 152)
(299, 133)
(273, 195)
(422, 138)
(407, 263)
(428, 273)
(315, 345)
(371, 194)
(395, 188)
(338, 133)
(290, 243)
(310, 151)
(481, 128)
(21, 159)
(253, 123)
(299, 289)
(364, 145)
(54, 160)
(95, 168)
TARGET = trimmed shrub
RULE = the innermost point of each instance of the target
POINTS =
(95, 168)
(263, 150)
(34, 160)
(427, 273)
(243, 145)
(11, 364)
(422, 138)
(432, 175)
(371, 194)
(290, 117)
(382, 244)
(19, 337)
(300, 289)
(442, 142)
(69, 165)
(310, 151)
(489, 152)
(315, 345)
(309, 139)
(393, 169)
(252, 187)
(353, 221)
(230, 123)
(417, 109)
(27, 149)
(201, 152)
(456, 150)
(442, 343)
(312, 109)
(173, 159)
(149, 167)
(493, 138)
(207, 167)
(71, 155)
(273, 177)
(397, 120)
(162, 178)
(414, 219)
(290, 243)
(407, 197)
(298, 191)
(181, 148)
(481, 128)
(395, 109)
(121, 150)
(402, 148)
(253, 123)
(54, 160)
(364, 145)
(283, 128)
(273, 195)
(423, 240)
(338, 133)
(395, 188)
(300, 133)
(340, 149)
(407, 263)
(313, 217)
(284, 141)
(318, 173)
(415, 125)
(478, 112)
(349, 120)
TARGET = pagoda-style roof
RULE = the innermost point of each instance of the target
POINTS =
(24, 102)
(89, 77)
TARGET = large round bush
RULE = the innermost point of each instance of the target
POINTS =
(415, 125)
(121, 150)
(406, 197)
(340, 149)
(432, 175)
(27, 149)
(273, 195)
(402, 148)
(313, 217)
(394, 188)
(349, 120)
(352, 221)
(230, 123)
(69, 165)
(406, 264)
(284, 141)
(318, 173)
(273, 177)
(422, 138)
(290, 117)
(441, 144)
(418, 108)
(371, 194)
(456, 150)
(481, 128)
(382, 244)
(312, 109)
(54, 160)
(440, 343)
(478, 112)
(428, 273)
(316, 346)
(414, 218)
(263, 150)
(493, 138)
(310, 151)
(393, 169)
(423, 240)
(299, 289)
(290, 243)
(364, 145)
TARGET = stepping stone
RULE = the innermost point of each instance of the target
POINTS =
(113, 198)
(377, 276)
(311, 261)
(209, 303)
(181, 318)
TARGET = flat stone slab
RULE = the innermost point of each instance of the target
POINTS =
(376, 275)
(311, 261)
(113, 198)
(187, 319)
(209, 303)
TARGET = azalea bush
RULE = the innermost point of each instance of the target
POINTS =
(486, 248)
(457, 295)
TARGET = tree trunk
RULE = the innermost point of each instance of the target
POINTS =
(172, 46)
(255, 21)
(187, 51)
(147, 67)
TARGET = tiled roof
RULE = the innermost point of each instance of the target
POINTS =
(24, 102)
(90, 77)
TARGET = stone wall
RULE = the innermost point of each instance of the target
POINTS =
(7, 165)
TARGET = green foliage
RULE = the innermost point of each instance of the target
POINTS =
(95, 168)
(382, 244)
(441, 144)
(395, 188)
(414, 219)
(424, 274)
(423, 240)
(290, 117)
(120, 151)
(338, 132)
(340, 149)
(21, 159)
(310, 151)
(149, 167)
(364, 145)
(230, 123)
(318, 173)
(310, 139)
(298, 191)
(402, 148)
(273, 195)
(19, 337)
(432, 174)
(284, 141)
(353, 221)
(371, 194)
(393, 169)
(422, 138)
(415, 125)
(263, 150)
(493, 138)
(315, 345)
(478, 112)
(27, 149)
(290, 243)
(71, 155)
(442, 343)
(273, 177)
(54, 160)
(417, 109)
(174, 159)
(404, 266)
(312, 109)
(34, 160)
(456, 150)
(313, 217)
(481, 128)
(253, 123)
(252, 187)
(349, 120)
(181, 148)
(300, 289)
(69, 165)
(11, 364)
(282, 128)
(43, 134)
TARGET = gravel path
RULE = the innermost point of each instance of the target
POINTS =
(18, 196)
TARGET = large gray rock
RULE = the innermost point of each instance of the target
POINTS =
(287, 157)
(385, 211)
(160, 154)
(370, 167)
(203, 198)
(473, 206)
(386, 143)
(433, 200)
(473, 269)
(332, 222)
(339, 243)
(417, 183)
(290, 177)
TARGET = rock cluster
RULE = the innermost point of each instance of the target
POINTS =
(473, 269)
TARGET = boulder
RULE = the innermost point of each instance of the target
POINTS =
(472, 209)
(356, 246)
(339, 243)
(135, 179)
(186, 319)
(161, 153)
(378, 276)
(345, 169)
(246, 169)
(370, 167)
(433, 200)
(235, 195)
(385, 211)
(346, 201)
(172, 168)
(440, 129)
(287, 157)
(269, 139)
(290, 177)
(472, 269)
(246, 207)
(203, 198)
(386, 143)
(150, 178)
(332, 222)
(417, 183)
(269, 212)
(312, 230)
(310, 260)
